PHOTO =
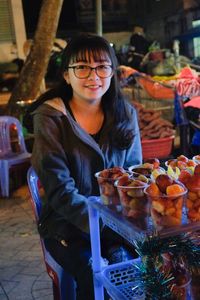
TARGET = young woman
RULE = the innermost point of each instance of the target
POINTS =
(81, 127)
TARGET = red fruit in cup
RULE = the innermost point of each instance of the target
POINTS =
(124, 180)
(182, 158)
(197, 170)
(163, 181)
(184, 176)
(191, 163)
(193, 183)
(154, 161)
(172, 163)
(181, 164)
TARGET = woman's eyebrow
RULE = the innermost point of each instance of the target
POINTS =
(103, 60)
(85, 60)
(88, 63)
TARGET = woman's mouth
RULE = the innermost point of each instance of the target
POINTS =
(93, 87)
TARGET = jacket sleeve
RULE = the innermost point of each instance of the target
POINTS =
(134, 152)
(51, 164)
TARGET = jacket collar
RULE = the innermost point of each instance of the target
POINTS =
(59, 110)
(58, 104)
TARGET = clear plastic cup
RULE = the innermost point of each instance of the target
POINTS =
(146, 171)
(183, 291)
(193, 204)
(182, 282)
(195, 286)
(108, 191)
(181, 165)
(139, 169)
(181, 285)
(134, 202)
(166, 210)
(196, 159)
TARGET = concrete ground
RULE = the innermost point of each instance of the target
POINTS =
(22, 271)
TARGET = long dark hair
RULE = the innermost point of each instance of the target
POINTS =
(112, 101)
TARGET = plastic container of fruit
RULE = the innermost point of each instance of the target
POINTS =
(180, 162)
(134, 202)
(195, 286)
(196, 159)
(106, 179)
(145, 170)
(181, 288)
(193, 198)
(193, 205)
(159, 148)
(167, 198)
(141, 177)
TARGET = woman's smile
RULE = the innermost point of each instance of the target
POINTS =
(92, 87)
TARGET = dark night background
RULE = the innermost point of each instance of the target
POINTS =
(67, 20)
(73, 18)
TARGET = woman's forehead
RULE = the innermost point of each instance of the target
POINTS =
(96, 55)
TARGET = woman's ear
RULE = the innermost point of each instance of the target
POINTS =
(66, 77)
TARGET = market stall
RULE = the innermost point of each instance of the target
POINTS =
(165, 97)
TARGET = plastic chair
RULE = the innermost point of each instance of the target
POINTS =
(8, 157)
(64, 286)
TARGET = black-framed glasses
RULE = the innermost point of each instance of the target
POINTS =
(84, 71)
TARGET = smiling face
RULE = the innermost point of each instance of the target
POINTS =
(93, 87)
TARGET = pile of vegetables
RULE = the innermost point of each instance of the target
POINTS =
(151, 123)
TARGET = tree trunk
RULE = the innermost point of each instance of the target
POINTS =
(34, 69)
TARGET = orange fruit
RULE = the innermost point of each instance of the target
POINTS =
(174, 189)
(153, 190)
(191, 163)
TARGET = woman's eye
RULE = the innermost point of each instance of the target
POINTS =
(103, 67)
(82, 67)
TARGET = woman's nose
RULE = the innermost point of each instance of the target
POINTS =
(93, 74)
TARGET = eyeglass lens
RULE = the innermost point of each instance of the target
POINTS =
(102, 71)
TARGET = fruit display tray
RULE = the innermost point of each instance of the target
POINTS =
(121, 280)
(130, 230)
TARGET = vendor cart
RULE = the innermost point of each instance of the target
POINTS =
(122, 280)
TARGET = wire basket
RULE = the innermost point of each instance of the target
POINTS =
(155, 95)
(165, 106)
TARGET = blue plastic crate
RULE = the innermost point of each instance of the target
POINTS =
(122, 281)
